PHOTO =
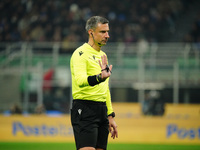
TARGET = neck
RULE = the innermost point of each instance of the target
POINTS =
(94, 45)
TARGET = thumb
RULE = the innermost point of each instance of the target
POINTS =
(110, 68)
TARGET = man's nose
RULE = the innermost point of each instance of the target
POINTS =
(107, 35)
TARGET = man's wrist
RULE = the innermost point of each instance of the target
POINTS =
(94, 80)
(112, 114)
(99, 78)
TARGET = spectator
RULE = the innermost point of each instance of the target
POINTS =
(15, 109)
(152, 104)
(42, 20)
(40, 109)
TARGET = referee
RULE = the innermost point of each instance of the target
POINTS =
(92, 115)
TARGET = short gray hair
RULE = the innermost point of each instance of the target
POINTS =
(93, 21)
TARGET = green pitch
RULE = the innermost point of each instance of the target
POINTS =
(111, 146)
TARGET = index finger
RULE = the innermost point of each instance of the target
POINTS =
(115, 131)
(104, 59)
(100, 64)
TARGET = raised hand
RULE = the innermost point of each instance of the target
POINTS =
(105, 69)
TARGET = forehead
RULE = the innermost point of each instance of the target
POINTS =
(102, 27)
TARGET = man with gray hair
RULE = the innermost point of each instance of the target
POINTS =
(92, 115)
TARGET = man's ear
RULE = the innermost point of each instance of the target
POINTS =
(90, 32)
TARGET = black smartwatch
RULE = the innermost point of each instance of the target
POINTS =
(112, 114)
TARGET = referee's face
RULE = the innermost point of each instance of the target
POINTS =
(101, 33)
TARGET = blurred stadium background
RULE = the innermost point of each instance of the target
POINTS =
(154, 47)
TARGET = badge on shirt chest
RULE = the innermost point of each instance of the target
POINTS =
(94, 58)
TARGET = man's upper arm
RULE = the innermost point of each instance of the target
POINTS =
(79, 65)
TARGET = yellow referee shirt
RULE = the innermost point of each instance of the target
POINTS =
(84, 63)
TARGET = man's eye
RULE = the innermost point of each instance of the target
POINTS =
(104, 31)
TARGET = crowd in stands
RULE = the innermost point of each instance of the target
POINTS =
(194, 34)
(64, 20)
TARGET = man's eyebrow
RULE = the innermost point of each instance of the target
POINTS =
(104, 30)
